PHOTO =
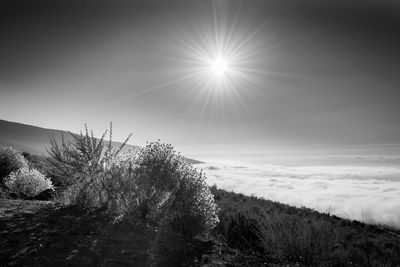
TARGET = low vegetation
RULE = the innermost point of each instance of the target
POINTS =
(17, 178)
(27, 183)
(284, 235)
(10, 160)
(156, 187)
(159, 186)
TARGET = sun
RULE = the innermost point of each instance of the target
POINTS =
(219, 66)
(214, 53)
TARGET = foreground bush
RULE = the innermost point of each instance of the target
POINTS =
(101, 186)
(27, 182)
(160, 187)
(155, 186)
(10, 160)
(80, 168)
(84, 157)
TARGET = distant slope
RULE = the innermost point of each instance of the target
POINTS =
(28, 138)
(35, 140)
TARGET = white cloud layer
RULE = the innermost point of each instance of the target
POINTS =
(366, 193)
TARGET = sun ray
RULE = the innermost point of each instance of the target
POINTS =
(203, 108)
(156, 87)
(280, 74)
(217, 59)
(178, 60)
(233, 26)
(268, 48)
(236, 50)
(238, 98)
(215, 28)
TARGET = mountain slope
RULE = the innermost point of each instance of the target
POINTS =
(28, 138)
(35, 140)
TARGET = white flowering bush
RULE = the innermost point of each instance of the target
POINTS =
(160, 187)
(123, 159)
(193, 209)
(153, 186)
(10, 160)
(28, 182)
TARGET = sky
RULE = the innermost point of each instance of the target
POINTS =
(297, 73)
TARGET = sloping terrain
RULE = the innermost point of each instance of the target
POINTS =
(44, 233)
(303, 236)
(41, 233)
(35, 140)
(32, 139)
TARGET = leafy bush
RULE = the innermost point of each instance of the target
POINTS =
(155, 186)
(27, 182)
(160, 187)
(85, 155)
(192, 210)
(80, 166)
(40, 163)
(10, 160)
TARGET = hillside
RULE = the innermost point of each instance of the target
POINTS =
(35, 140)
(109, 219)
(28, 138)
(41, 233)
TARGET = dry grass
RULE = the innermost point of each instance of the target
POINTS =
(293, 239)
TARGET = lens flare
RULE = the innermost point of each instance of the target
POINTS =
(217, 59)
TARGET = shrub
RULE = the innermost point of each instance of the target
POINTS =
(155, 186)
(10, 160)
(241, 228)
(162, 188)
(80, 166)
(27, 182)
(292, 239)
(40, 163)
(192, 210)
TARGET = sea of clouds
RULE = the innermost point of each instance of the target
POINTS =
(368, 193)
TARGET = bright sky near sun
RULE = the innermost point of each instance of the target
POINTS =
(219, 66)
(205, 75)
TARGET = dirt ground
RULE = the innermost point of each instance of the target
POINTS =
(41, 233)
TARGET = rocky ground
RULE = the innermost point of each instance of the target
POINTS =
(42, 233)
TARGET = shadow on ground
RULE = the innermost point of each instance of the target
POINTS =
(37, 233)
